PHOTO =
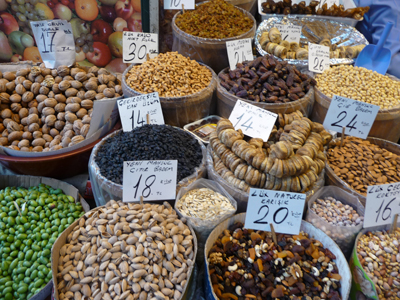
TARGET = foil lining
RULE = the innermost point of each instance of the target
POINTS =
(339, 33)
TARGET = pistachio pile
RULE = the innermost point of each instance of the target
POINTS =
(247, 264)
(46, 109)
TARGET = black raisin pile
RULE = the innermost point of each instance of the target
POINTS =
(149, 142)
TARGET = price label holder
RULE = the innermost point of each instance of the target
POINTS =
(239, 51)
(252, 120)
(383, 203)
(318, 58)
(290, 33)
(177, 4)
(55, 42)
(151, 179)
(356, 116)
(133, 111)
(136, 46)
(283, 210)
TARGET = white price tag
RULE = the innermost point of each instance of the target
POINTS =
(284, 210)
(252, 120)
(133, 111)
(328, 2)
(290, 33)
(383, 202)
(239, 51)
(318, 58)
(136, 46)
(152, 179)
(358, 117)
(177, 4)
(55, 42)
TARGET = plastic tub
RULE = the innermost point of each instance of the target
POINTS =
(179, 111)
(386, 125)
(333, 179)
(212, 52)
(226, 102)
(312, 231)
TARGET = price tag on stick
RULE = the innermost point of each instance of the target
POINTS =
(356, 116)
(136, 46)
(283, 210)
(318, 58)
(55, 42)
(252, 120)
(290, 33)
(383, 203)
(133, 111)
(152, 179)
(239, 51)
(177, 4)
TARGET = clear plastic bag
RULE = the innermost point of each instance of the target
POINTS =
(105, 190)
(344, 236)
(179, 111)
(212, 52)
(204, 227)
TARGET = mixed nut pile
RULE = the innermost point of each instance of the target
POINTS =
(46, 109)
(126, 251)
(247, 264)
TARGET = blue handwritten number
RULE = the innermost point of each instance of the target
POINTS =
(386, 208)
(175, 3)
(51, 41)
(244, 124)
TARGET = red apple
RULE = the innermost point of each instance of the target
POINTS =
(119, 24)
(124, 9)
(135, 22)
(8, 23)
(117, 66)
(100, 30)
(101, 55)
(108, 13)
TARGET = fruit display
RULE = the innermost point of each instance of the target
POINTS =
(31, 220)
(46, 109)
(291, 160)
(96, 25)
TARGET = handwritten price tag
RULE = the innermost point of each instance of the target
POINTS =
(383, 202)
(152, 179)
(133, 111)
(136, 46)
(177, 4)
(239, 51)
(356, 116)
(55, 42)
(252, 120)
(283, 209)
(318, 58)
(290, 33)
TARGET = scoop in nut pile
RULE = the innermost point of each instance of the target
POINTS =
(247, 264)
(291, 160)
(126, 251)
(46, 109)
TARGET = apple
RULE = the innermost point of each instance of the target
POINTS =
(19, 41)
(117, 65)
(115, 43)
(101, 55)
(6, 52)
(108, 13)
(135, 22)
(100, 30)
(136, 5)
(124, 9)
(80, 56)
(16, 58)
(62, 12)
(8, 23)
(78, 27)
(120, 24)
(3, 5)
(108, 2)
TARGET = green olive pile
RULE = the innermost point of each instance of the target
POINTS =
(30, 222)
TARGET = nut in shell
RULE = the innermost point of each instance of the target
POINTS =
(81, 76)
(85, 130)
(90, 95)
(64, 85)
(27, 97)
(109, 92)
(48, 82)
(63, 71)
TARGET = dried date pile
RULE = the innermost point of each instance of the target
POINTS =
(266, 79)
(247, 264)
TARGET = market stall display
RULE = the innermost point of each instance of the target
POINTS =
(267, 83)
(205, 40)
(185, 87)
(308, 264)
(125, 250)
